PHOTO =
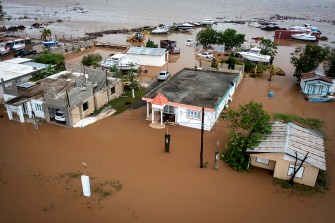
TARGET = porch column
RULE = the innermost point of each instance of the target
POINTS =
(148, 110)
(9, 113)
(153, 116)
(29, 108)
(20, 113)
(161, 116)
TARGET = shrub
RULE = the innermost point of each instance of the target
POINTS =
(92, 59)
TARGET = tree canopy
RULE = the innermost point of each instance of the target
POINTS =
(309, 59)
(268, 47)
(92, 59)
(51, 58)
(207, 36)
(248, 125)
(229, 37)
(329, 65)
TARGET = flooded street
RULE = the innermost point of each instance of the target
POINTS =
(40, 169)
(156, 186)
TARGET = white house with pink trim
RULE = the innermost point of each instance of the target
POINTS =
(180, 99)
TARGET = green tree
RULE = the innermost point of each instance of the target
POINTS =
(248, 126)
(207, 36)
(151, 44)
(48, 71)
(45, 34)
(268, 47)
(308, 60)
(51, 58)
(329, 65)
(92, 59)
(230, 38)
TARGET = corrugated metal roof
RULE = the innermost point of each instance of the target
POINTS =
(290, 139)
(146, 51)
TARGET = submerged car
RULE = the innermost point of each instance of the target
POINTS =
(23, 53)
(163, 75)
(60, 116)
(189, 42)
(205, 55)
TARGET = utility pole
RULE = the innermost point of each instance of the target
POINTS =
(202, 137)
(216, 160)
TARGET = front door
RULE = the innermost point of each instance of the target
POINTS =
(25, 109)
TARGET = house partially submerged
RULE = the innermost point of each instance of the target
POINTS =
(76, 95)
(156, 57)
(181, 98)
(287, 147)
(316, 84)
(19, 70)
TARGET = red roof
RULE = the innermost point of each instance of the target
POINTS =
(308, 75)
(160, 99)
(313, 74)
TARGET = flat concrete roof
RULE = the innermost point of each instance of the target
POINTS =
(202, 88)
(146, 51)
(18, 60)
(11, 69)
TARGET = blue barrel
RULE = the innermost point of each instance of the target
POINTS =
(271, 94)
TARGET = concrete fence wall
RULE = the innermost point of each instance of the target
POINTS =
(72, 47)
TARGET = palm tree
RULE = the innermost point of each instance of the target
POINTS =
(272, 72)
(45, 33)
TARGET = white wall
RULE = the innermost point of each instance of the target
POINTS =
(156, 61)
(332, 88)
(37, 107)
(183, 120)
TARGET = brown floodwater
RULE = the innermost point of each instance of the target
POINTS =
(156, 186)
(35, 165)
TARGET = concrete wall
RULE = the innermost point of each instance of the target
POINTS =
(105, 95)
(92, 73)
(270, 166)
(73, 47)
(309, 175)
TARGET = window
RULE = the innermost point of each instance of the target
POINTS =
(38, 107)
(85, 106)
(299, 174)
(113, 90)
(262, 160)
(168, 109)
(193, 114)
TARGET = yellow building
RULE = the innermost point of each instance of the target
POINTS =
(287, 147)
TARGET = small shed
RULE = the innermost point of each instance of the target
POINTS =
(286, 148)
(314, 83)
(156, 57)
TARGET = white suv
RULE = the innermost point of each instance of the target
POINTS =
(163, 75)
(60, 116)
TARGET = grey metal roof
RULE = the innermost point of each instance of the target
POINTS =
(290, 139)
(202, 88)
(146, 51)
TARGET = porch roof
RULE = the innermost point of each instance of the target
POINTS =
(160, 99)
